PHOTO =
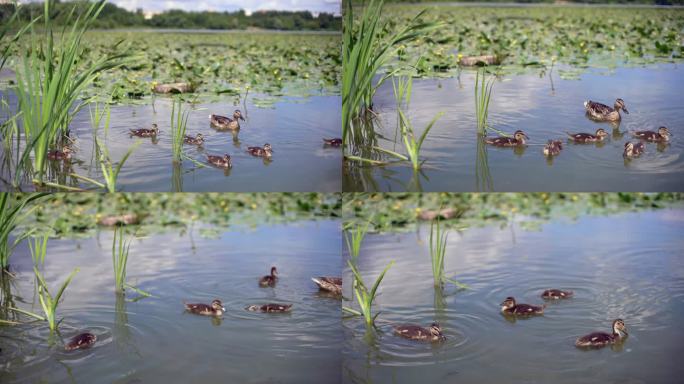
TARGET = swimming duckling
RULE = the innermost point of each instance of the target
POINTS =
(63, 154)
(517, 139)
(510, 307)
(556, 294)
(269, 280)
(266, 151)
(81, 341)
(215, 309)
(328, 283)
(588, 137)
(197, 140)
(220, 161)
(601, 339)
(553, 148)
(661, 136)
(416, 332)
(602, 112)
(633, 150)
(336, 142)
(270, 308)
(144, 132)
(222, 122)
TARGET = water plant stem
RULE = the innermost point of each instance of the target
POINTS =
(365, 297)
(483, 93)
(179, 122)
(438, 245)
(11, 214)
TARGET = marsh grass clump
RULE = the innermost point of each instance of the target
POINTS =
(483, 94)
(179, 122)
(438, 244)
(120, 250)
(110, 172)
(354, 236)
(12, 212)
(364, 296)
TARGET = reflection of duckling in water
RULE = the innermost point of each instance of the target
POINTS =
(601, 339)
(215, 309)
(633, 150)
(510, 307)
(270, 308)
(556, 294)
(81, 341)
(602, 112)
(416, 332)
(588, 137)
(662, 135)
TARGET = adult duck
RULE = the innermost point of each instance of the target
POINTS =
(602, 112)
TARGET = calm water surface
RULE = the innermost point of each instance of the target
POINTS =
(545, 108)
(154, 340)
(629, 266)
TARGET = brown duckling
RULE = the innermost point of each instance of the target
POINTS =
(633, 150)
(518, 138)
(266, 151)
(270, 308)
(553, 148)
(81, 341)
(63, 154)
(662, 135)
(328, 283)
(220, 161)
(601, 339)
(510, 307)
(556, 294)
(269, 280)
(602, 112)
(144, 132)
(197, 140)
(416, 332)
(588, 137)
(223, 122)
(215, 309)
(336, 142)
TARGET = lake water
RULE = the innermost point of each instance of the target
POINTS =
(155, 340)
(628, 265)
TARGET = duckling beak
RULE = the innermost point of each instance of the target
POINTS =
(242, 118)
(625, 109)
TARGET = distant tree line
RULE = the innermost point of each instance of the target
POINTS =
(113, 16)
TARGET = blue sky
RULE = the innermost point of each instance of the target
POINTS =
(316, 6)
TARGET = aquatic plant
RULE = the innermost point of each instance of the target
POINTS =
(365, 297)
(110, 172)
(120, 249)
(179, 121)
(12, 213)
(483, 93)
(353, 236)
(7, 45)
(438, 243)
(97, 113)
(38, 248)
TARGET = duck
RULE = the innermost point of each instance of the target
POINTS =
(633, 150)
(601, 339)
(510, 307)
(215, 309)
(336, 142)
(270, 308)
(220, 161)
(556, 294)
(145, 132)
(518, 138)
(81, 341)
(266, 151)
(329, 283)
(197, 140)
(662, 135)
(416, 332)
(269, 280)
(553, 148)
(57, 154)
(222, 122)
(588, 137)
(602, 112)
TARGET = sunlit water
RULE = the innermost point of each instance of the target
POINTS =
(545, 108)
(628, 266)
(154, 340)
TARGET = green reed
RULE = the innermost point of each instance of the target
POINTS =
(120, 250)
(97, 113)
(38, 247)
(483, 93)
(364, 296)
(354, 237)
(438, 245)
(110, 172)
(179, 122)
(12, 212)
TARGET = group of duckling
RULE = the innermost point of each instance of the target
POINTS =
(329, 284)
(597, 112)
(510, 307)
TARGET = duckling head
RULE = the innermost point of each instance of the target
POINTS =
(629, 149)
(227, 159)
(199, 137)
(601, 132)
(508, 303)
(663, 131)
(619, 327)
(620, 104)
(155, 128)
(520, 136)
(274, 271)
(217, 305)
(436, 331)
(238, 115)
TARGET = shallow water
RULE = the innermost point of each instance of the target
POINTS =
(545, 108)
(154, 340)
(294, 127)
(629, 266)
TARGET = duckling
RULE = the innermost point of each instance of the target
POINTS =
(553, 148)
(336, 142)
(517, 139)
(510, 307)
(63, 154)
(601, 339)
(269, 308)
(328, 283)
(661, 136)
(416, 332)
(266, 151)
(556, 294)
(269, 280)
(602, 112)
(81, 341)
(197, 140)
(587, 137)
(222, 122)
(215, 309)
(144, 132)
(633, 150)
(220, 161)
